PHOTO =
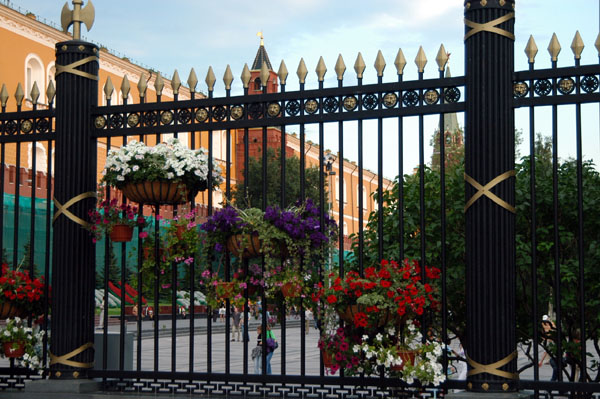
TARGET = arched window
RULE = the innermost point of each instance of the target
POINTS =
(41, 159)
(257, 84)
(34, 72)
(337, 190)
(345, 228)
(217, 198)
(113, 98)
(364, 198)
(50, 77)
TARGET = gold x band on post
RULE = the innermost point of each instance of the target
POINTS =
(485, 190)
(64, 209)
(490, 26)
(71, 68)
(479, 368)
(64, 359)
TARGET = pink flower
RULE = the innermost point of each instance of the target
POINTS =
(189, 261)
(143, 234)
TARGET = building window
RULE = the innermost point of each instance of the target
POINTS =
(50, 77)
(114, 97)
(257, 84)
(337, 190)
(41, 160)
(345, 228)
(364, 198)
(34, 73)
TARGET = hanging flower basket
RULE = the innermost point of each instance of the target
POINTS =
(180, 231)
(9, 310)
(407, 356)
(291, 289)
(157, 192)
(327, 359)
(121, 233)
(14, 349)
(149, 252)
(246, 246)
(225, 290)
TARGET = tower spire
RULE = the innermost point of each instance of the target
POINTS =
(261, 55)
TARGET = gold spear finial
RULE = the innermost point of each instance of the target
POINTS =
(262, 41)
(77, 16)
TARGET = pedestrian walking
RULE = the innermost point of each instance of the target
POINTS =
(548, 327)
(308, 315)
(237, 318)
(101, 320)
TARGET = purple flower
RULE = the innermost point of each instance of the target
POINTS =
(219, 247)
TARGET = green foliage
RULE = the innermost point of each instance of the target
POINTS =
(292, 182)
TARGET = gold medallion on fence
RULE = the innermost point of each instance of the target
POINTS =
(100, 122)
(311, 106)
(431, 97)
(520, 89)
(350, 103)
(166, 117)
(273, 109)
(237, 112)
(26, 126)
(201, 115)
(566, 85)
(133, 120)
(390, 100)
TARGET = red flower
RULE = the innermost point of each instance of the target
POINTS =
(360, 320)
(385, 283)
(332, 299)
(383, 273)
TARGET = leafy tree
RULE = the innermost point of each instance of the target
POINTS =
(4, 256)
(568, 250)
(27, 263)
(114, 270)
(292, 182)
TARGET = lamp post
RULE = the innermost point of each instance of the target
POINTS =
(329, 159)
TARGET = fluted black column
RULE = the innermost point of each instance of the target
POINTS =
(490, 218)
(73, 255)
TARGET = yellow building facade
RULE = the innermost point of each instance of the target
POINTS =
(28, 55)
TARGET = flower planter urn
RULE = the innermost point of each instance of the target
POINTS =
(225, 290)
(327, 359)
(180, 232)
(9, 310)
(157, 192)
(245, 246)
(121, 233)
(291, 289)
(14, 349)
(407, 356)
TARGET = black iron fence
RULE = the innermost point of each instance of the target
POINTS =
(519, 233)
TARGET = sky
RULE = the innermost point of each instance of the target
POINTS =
(181, 34)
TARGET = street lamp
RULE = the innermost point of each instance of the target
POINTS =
(329, 159)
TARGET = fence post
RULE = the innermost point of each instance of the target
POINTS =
(73, 253)
(489, 195)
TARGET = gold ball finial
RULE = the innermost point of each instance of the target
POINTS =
(262, 41)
